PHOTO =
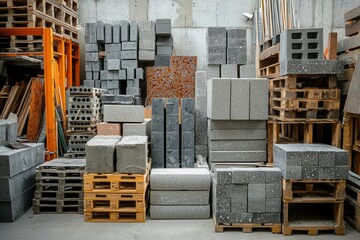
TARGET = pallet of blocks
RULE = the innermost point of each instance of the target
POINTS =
(59, 186)
(314, 183)
(61, 16)
(84, 113)
(115, 189)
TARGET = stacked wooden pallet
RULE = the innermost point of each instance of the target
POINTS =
(313, 206)
(116, 197)
(60, 15)
(59, 186)
(352, 205)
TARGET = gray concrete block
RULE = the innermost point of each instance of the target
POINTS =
(222, 205)
(256, 205)
(259, 104)
(90, 33)
(240, 177)
(341, 157)
(169, 198)
(11, 125)
(200, 108)
(292, 173)
(266, 218)
(112, 47)
(236, 37)
(125, 30)
(88, 75)
(97, 84)
(140, 129)
(216, 59)
(100, 31)
(163, 27)
(147, 34)
(116, 33)
(326, 159)
(223, 176)
(188, 158)
(236, 56)
(172, 158)
(95, 66)
(236, 125)
(310, 66)
(240, 99)
(257, 175)
(146, 55)
(146, 25)
(229, 71)
(128, 55)
(164, 41)
(162, 60)
(127, 46)
(310, 173)
(218, 99)
(88, 66)
(238, 191)
(237, 156)
(180, 179)
(113, 84)
(91, 47)
(101, 154)
(216, 36)
(201, 150)
(96, 75)
(139, 73)
(15, 161)
(125, 64)
(256, 134)
(221, 192)
(237, 145)
(348, 43)
(273, 175)
(133, 31)
(135, 91)
(146, 44)
(108, 33)
(123, 113)
(104, 84)
(247, 71)
(164, 50)
(130, 73)
(256, 197)
(180, 212)
(158, 115)
(92, 56)
(113, 64)
(273, 205)
(132, 152)
(341, 172)
(239, 205)
(273, 190)
(326, 173)
(89, 83)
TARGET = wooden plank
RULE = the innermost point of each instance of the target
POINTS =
(352, 104)
(9, 102)
(353, 14)
(332, 46)
(352, 28)
(36, 109)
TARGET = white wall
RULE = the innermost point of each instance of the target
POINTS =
(190, 18)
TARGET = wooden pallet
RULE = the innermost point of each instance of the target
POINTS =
(59, 187)
(301, 104)
(60, 174)
(58, 209)
(308, 131)
(59, 180)
(303, 81)
(115, 202)
(352, 19)
(93, 216)
(313, 190)
(269, 66)
(352, 207)
(58, 202)
(351, 140)
(59, 194)
(277, 113)
(312, 218)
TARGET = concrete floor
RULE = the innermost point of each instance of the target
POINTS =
(73, 227)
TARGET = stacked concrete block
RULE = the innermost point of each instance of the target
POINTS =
(84, 113)
(132, 154)
(146, 40)
(67, 195)
(247, 195)
(8, 129)
(187, 132)
(200, 114)
(124, 113)
(236, 46)
(115, 72)
(311, 161)
(301, 52)
(229, 71)
(158, 133)
(216, 45)
(180, 193)
(172, 140)
(101, 154)
(164, 42)
(247, 71)
(139, 129)
(17, 179)
(108, 128)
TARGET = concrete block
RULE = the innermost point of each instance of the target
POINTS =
(147, 34)
(259, 104)
(218, 99)
(240, 99)
(116, 33)
(158, 115)
(172, 158)
(221, 205)
(132, 154)
(100, 31)
(201, 150)
(273, 190)
(97, 84)
(133, 91)
(326, 159)
(256, 200)
(128, 55)
(164, 41)
(188, 158)
(163, 27)
(266, 218)
(125, 64)
(125, 30)
(180, 179)
(133, 31)
(123, 113)
(146, 55)
(139, 73)
(341, 172)
(216, 36)
(92, 56)
(212, 71)
(238, 145)
(96, 76)
(162, 60)
(239, 205)
(139, 129)
(220, 192)
(229, 71)
(257, 134)
(170, 198)
(122, 74)
(15, 161)
(114, 47)
(91, 47)
(223, 176)
(236, 56)
(108, 128)
(238, 191)
(101, 154)
(113, 64)
(146, 25)
(88, 66)
(108, 33)
(310, 173)
(310, 66)
(180, 212)
(164, 50)
(145, 44)
(95, 66)
(273, 175)
(273, 205)
(292, 173)
(130, 73)
(11, 128)
(237, 156)
(247, 71)
(326, 173)
(236, 125)
(88, 75)
(216, 59)
(128, 46)
(90, 33)
(341, 157)
(113, 84)
(200, 108)
(236, 37)
(89, 83)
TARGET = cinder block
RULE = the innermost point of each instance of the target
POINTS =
(91, 47)
(238, 145)
(341, 172)
(128, 55)
(113, 84)
(180, 212)
(92, 56)
(218, 99)
(220, 192)
(101, 154)
(216, 36)
(133, 91)
(146, 55)
(114, 47)
(272, 175)
(236, 56)
(139, 73)
(162, 60)
(171, 198)
(89, 83)
(139, 129)
(266, 217)
(127, 46)
(158, 115)
(163, 27)
(247, 71)
(100, 31)
(125, 64)
(145, 44)
(236, 37)
(133, 31)
(311, 66)
(236, 125)
(113, 64)
(164, 41)
(292, 173)
(164, 50)
(256, 134)
(132, 154)
(239, 205)
(256, 200)
(146, 25)
(229, 71)
(108, 33)
(259, 104)
(326, 173)
(130, 73)
(180, 179)
(125, 30)
(273, 190)
(108, 128)
(223, 176)
(96, 75)
(237, 156)
(310, 173)
(123, 113)
(238, 191)
(216, 59)
(90, 33)
(116, 33)
(200, 108)
(147, 34)
(240, 99)
(221, 205)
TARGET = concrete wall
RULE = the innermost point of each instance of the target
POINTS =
(190, 18)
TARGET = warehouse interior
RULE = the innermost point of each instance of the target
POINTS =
(183, 119)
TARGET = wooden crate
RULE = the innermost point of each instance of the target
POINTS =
(93, 216)
(313, 190)
(269, 66)
(313, 217)
(351, 140)
(309, 131)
